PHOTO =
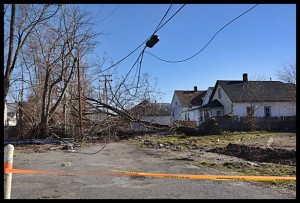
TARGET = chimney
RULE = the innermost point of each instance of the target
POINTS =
(245, 77)
(195, 88)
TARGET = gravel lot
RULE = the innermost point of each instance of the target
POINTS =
(123, 157)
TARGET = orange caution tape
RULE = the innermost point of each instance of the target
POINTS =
(22, 171)
(8, 165)
(214, 177)
(180, 176)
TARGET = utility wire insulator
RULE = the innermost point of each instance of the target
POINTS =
(152, 41)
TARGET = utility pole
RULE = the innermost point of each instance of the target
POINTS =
(20, 120)
(65, 113)
(105, 88)
(79, 99)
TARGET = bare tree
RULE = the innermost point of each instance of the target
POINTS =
(288, 73)
(252, 94)
(48, 50)
(22, 20)
(122, 95)
(54, 48)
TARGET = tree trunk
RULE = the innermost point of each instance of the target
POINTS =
(8, 69)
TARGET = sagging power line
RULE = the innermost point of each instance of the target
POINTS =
(156, 30)
(178, 61)
(150, 42)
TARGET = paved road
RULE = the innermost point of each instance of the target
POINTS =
(119, 156)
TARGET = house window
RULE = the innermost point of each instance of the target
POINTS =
(173, 113)
(219, 113)
(175, 103)
(267, 111)
(219, 93)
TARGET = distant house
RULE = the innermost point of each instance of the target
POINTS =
(241, 97)
(10, 114)
(185, 104)
(159, 113)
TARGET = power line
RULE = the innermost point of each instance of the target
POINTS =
(171, 17)
(140, 57)
(156, 30)
(178, 61)
(162, 19)
(142, 52)
(109, 14)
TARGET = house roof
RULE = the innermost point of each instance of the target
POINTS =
(211, 88)
(240, 91)
(152, 109)
(187, 98)
(212, 104)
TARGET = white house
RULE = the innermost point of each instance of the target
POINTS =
(10, 114)
(241, 97)
(185, 105)
(158, 113)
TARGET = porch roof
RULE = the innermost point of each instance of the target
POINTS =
(213, 104)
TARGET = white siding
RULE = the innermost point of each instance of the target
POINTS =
(283, 109)
(184, 113)
(5, 113)
(10, 115)
(176, 108)
(164, 120)
(277, 108)
(194, 115)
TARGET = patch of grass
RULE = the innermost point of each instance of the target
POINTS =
(246, 169)
(208, 140)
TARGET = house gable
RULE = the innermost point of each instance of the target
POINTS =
(221, 96)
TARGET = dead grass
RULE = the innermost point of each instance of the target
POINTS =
(192, 150)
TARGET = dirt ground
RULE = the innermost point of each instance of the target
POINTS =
(120, 156)
(277, 149)
(249, 153)
(254, 155)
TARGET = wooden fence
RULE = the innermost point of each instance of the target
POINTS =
(283, 123)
